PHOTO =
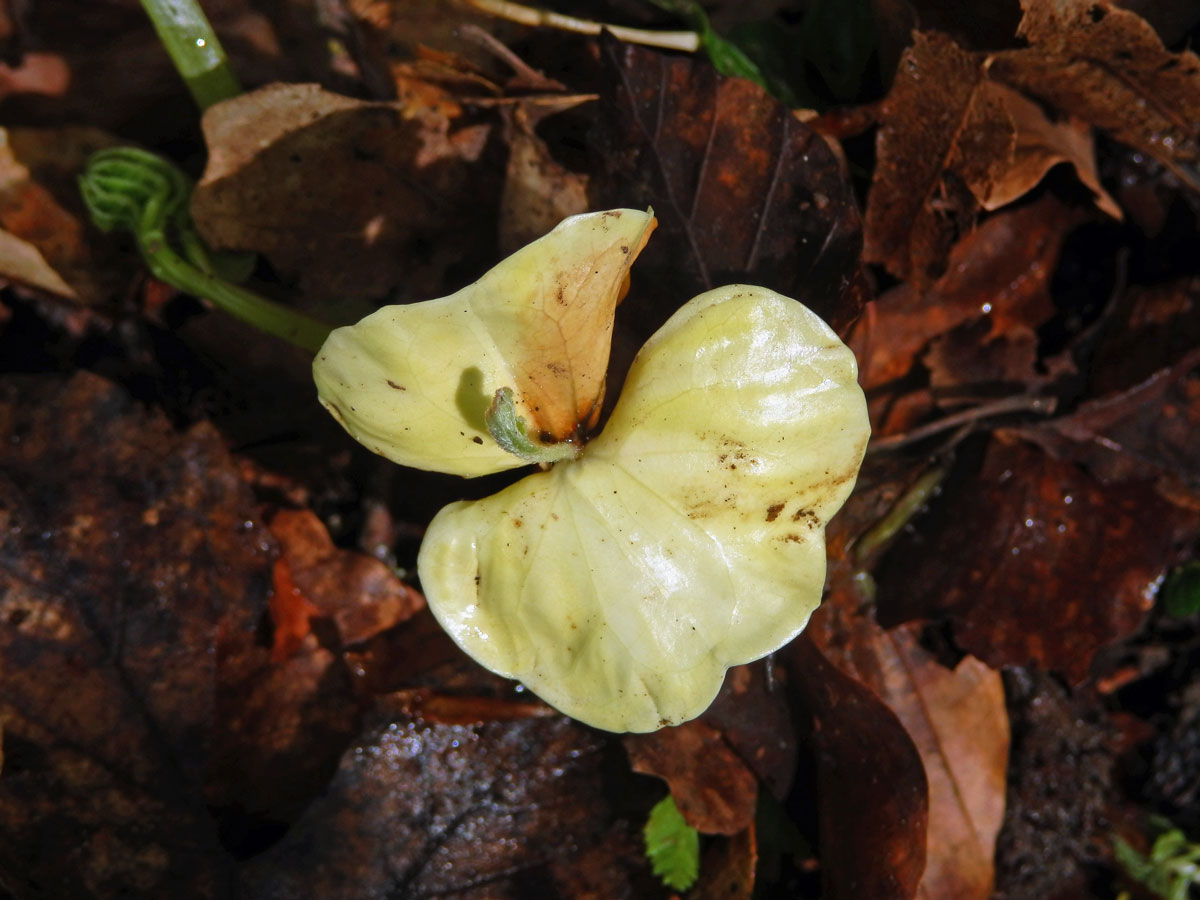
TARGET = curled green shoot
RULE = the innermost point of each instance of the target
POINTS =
(508, 429)
(131, 190)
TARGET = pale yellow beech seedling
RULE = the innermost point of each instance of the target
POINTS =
(413, 383)
(688, 536)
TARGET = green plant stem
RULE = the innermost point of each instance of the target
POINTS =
(192, 44)
(253, 309)
(131, 190)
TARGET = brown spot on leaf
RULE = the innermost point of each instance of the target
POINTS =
(774, 510)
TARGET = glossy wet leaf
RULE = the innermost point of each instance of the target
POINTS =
(413, 383)
(688, 537)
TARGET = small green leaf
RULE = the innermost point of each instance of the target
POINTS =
(672, 846)
(1181, 593)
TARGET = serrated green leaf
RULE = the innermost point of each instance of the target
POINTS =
(672, 846)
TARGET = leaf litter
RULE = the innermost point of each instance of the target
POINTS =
(204, 690)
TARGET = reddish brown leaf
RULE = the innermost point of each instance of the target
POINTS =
(713, 788)
(132, 565)
(941, 129)
(957, 720)
(1107, 66)
(1035, 560)
(502, 809)
(872, 793)
(744, 192)
(361, 594)
(953, 140)
(336, 191)
(1150, 431)
(290, 611)
(423, 705)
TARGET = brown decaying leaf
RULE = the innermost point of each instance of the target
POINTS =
(1150, 431)
(1048, 564)
(715, 791)
(937, 122)
(999, 272)
(47, 242)
(957, 720)
(132, 566)
(872, 801)
(953, 141)
(539, 192)
(290, 613)
(340, 192)
(1108, 67)
(502, 809)
(727, 868)
(360, 593)
(743, 190)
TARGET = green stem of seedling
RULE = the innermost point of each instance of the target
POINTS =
(508, 429)
(132, 190)
(194, 49)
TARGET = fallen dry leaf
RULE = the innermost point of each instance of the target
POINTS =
(129, 572)
(539, 192)
(47, 242)
(744, 191)
(872, 801)
(439, 811)
(1108, 67)
(999, 273)
(727, 868)
(957, 720)
(1034, 560)
(358, 592)
(952, 141)
(714, 790)
(338, 192)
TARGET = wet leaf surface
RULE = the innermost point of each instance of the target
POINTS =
(129, 573)
(1035, 561)
(498, 810)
